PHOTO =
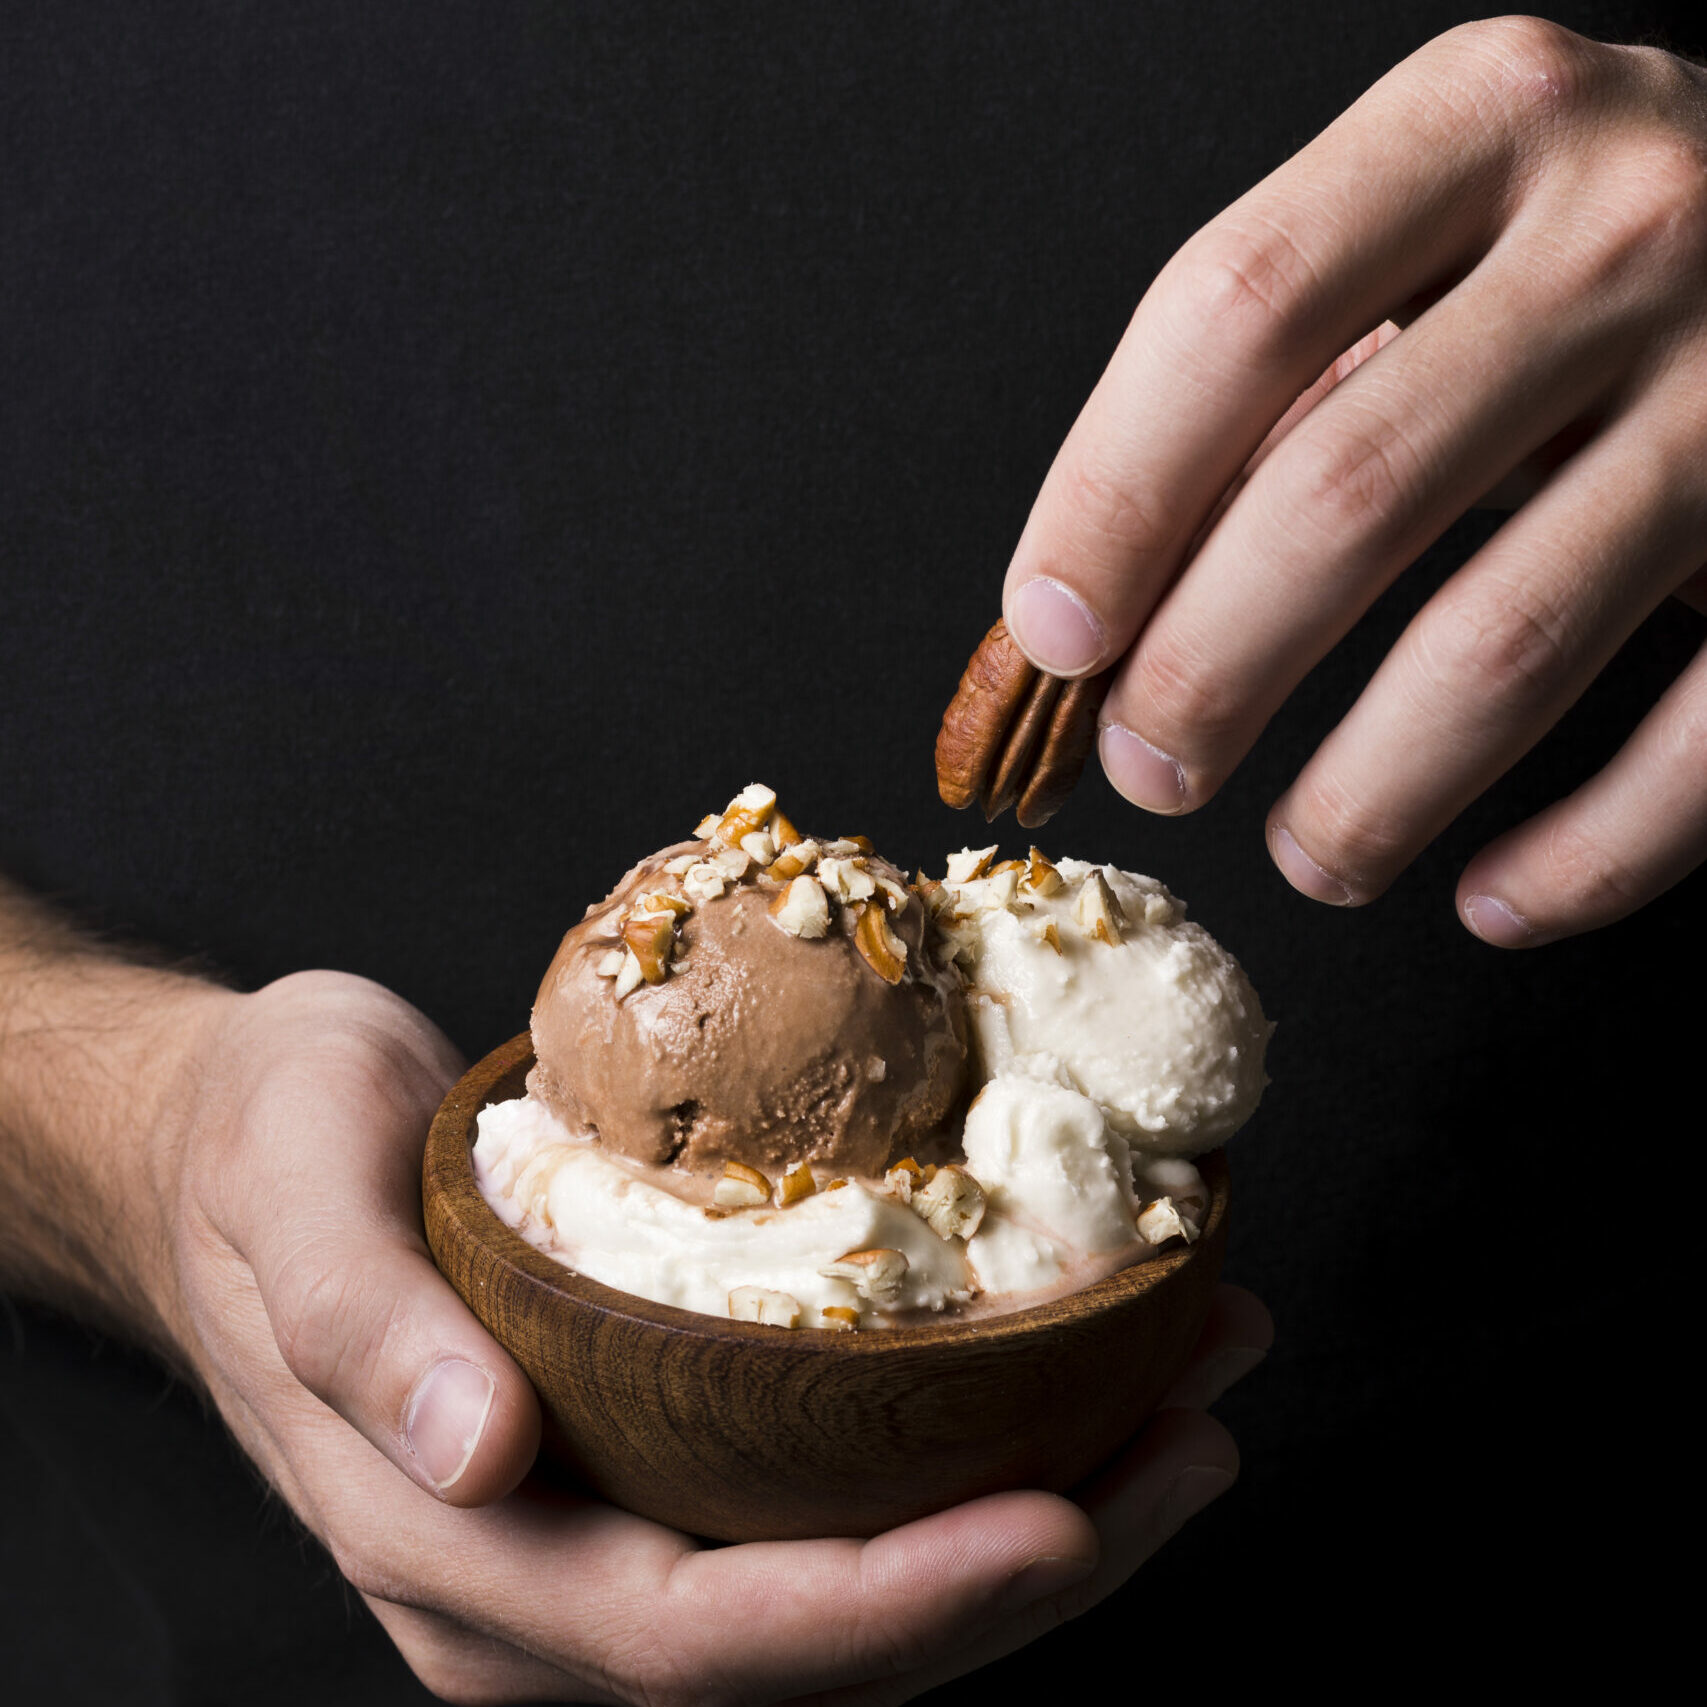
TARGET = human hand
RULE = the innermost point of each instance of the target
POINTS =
(1532, 207)
(302, 1293)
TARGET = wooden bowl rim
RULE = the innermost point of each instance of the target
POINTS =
(448, 1170)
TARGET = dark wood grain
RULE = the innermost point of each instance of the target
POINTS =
(742, 1433)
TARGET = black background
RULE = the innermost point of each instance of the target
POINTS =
(447, 449)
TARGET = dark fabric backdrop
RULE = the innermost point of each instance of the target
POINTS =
(445, 448)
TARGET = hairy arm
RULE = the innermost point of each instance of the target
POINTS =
(94, 1055)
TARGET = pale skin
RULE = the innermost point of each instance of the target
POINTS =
(233, 1178)
(1531, 209)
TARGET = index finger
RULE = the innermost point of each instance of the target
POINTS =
(1401, 193)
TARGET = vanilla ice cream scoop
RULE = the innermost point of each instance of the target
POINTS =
(1094, 977)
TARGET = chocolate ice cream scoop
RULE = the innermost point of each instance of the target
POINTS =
(737, 999)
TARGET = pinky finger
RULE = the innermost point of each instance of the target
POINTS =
(1627, 835)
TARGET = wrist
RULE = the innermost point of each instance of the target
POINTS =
(98, 1060)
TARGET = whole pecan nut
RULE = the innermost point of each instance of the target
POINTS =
(1014, 735)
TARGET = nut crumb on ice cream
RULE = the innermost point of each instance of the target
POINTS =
(776, 1081)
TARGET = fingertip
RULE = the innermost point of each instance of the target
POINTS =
(1055, 628)
(1305, 874)
(1497, 922)
(471, 1428)
(1139, 771)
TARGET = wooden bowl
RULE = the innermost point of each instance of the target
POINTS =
(744, 1433)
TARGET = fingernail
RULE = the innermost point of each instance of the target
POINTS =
(1497, 923)
(1303, 873)
(1040, 1578)
(1188, 1493)
(1055, 628)
(1146, 775)
(446, 1417)
(1206, 1383)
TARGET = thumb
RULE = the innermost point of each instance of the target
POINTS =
(362, 1317)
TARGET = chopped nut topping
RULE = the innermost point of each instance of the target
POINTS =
(704, 882)
(741, 1187)
(840, 1317)
(885, 953)
(992, 894)
(876, 1274)
(969, 863)
(797, 857)
(731, 863)
(863, 843)
(894, 894)
(662, 902)
(1044, 930)
(611, 962)
(1017, 866)
(1160, 1221)
(847, 879)
(756, 798)
(801, 908)
(952, 1204)
(706, 828)
(796, 1185)
(844, 847)
(678, 866)
(905, 1178)
(651, 937)
(934, 895)
(782, 829)
(1096, 912)
(757, 1304)
(631, 977)
(760, 846)
(835, 1185)
(1041, 877)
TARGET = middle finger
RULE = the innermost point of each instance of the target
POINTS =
(1379, 469)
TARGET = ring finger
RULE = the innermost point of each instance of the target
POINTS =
(1493, 660)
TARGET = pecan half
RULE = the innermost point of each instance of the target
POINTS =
(1014, 735)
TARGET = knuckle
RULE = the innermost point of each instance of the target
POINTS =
(1505, 652)
(1180, 685)
(1542, 67)
(1359, 838)
(1586, 878)
(325, 1321)
(1249, 285)
(1647, 228)
(1100, 502)
(1356, 478)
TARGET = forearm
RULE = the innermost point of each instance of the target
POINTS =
(94, 1059)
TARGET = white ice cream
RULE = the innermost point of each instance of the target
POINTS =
(1164, 1033)
(1115, 1040)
